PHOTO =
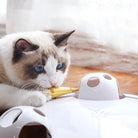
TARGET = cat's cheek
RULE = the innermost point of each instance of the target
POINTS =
(42, 80)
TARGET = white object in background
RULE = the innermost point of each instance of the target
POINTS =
(3, 4)
(107, 22)
(14, 120)
(99, 86)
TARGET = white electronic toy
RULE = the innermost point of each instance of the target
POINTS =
(96, 113)
(99, 86)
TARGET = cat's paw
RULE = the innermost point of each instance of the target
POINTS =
(46, 92)
(34, 99)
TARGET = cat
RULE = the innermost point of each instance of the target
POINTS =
(30, 63)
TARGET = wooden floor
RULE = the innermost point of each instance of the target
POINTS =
(128, 83)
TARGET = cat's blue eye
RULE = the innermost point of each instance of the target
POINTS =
(59, 66)
(39, 69)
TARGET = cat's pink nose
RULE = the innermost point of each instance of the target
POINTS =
(53, 84)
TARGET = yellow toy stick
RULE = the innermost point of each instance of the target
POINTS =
(59, 91)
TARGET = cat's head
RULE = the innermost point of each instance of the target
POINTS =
(40, 59)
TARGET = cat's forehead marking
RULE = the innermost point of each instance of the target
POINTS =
(47, 53)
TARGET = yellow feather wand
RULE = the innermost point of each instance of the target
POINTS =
(59, 91)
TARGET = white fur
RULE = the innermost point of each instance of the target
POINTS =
(6, 49)
(12, 96)
(51, 74)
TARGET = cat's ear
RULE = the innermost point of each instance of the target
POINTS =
(60, 39)
(23, 45)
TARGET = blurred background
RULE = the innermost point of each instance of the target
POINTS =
(106, 34)
(3, 11)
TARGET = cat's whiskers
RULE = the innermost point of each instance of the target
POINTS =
(28, 85)
(41, 88)
(14, 83)
(33, 86)
(43, 83)
(3, 76)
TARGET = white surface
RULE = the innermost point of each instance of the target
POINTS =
(8, 119)
(74, 118)
(70, 117)
(10, 127)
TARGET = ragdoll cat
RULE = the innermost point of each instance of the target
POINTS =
(30, 63)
